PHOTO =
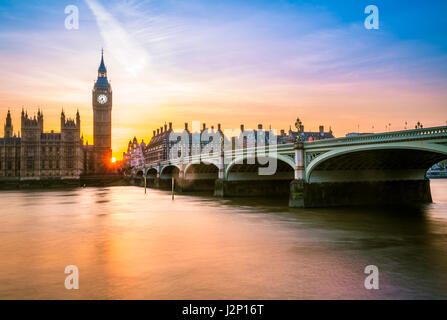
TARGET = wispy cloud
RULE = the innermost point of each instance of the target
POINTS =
(118, 41)
(228, 61)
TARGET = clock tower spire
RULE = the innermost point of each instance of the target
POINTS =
(102, 118)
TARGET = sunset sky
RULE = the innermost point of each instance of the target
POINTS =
(227, 61)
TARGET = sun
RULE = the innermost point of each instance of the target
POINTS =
(113, 160)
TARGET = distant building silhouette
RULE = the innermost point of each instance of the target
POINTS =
(162, 142)
(305, 136)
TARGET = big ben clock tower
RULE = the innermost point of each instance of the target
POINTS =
(102, 119)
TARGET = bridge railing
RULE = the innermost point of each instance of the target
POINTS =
(231, 154)
(413, 134)
(380, 137)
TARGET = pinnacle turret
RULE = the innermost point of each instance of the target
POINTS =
(102, 67)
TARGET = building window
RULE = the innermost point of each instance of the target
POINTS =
(29, 164)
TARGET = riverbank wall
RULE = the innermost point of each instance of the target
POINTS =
(16, 183)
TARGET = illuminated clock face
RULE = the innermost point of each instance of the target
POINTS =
(102, 98)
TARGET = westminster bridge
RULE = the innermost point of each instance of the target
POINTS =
(383, 168)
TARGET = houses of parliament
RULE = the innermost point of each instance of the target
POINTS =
(33, 154)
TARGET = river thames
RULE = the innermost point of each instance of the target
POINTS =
(128, 245)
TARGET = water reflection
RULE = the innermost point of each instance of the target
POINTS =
(130, 245)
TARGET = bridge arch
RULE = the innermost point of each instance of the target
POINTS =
(285, 168)
(393, 161)
(151, 173)
(170, 170)
(201, 171)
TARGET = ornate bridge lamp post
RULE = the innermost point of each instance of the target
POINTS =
(298, 124)
(145, 179)
(296, 197)
(181, 173)
(219, 186)
(221, 159)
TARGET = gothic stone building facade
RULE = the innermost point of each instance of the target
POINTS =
(33, 154)
(36, 154)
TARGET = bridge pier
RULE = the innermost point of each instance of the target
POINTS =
(154, 183)
(165, 184)
(331, 194)
(157, 179)
(219, 188)
(219, 184)
(296, 195)
(250, 188)
(198, 185)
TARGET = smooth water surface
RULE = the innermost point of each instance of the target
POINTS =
(128, 245)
